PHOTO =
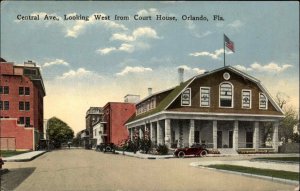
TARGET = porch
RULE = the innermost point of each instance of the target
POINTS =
(214, 132)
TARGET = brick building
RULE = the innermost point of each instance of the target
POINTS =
(21, 105)
(112, 126)
(224, 108)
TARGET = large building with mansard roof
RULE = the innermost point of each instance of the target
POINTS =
(224, 108)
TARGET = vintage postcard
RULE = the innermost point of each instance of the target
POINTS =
(138, 95)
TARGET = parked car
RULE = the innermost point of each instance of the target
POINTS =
(105, 147)
(195, 149)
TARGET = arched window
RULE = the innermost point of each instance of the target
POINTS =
(226, 94)
(263, 101)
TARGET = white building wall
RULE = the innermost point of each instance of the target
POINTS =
(96, 133)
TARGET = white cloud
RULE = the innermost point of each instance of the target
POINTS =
(242, 68)
(56, 62)
(136, 69)
(140, 32)
(79, 73)
(203, 34)
(271, 67)
(193, 70)
(104, 51)
(79, 26)
(131, 42)
(145, 12)
(125, 47)
(214, 55)
(236, 24)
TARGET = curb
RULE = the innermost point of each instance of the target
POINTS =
(273, 161)
(25, 159)
(144, 157)
(273, 179)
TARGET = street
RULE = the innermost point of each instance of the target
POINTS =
(78, 169)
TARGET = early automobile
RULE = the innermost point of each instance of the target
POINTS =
(194, 150)
(105, 147)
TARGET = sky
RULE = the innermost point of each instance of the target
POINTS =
(91, 62)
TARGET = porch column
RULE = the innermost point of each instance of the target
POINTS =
(192, 132)
(131, 133)
(256, 136)
(215, 129)
(167, 133)
(235, 141)
(275, 136)
(141, 132)
(159, 133)
(151, 131)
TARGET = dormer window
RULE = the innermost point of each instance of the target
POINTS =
(226, 95)
(186, 97)
(204, 96)
(263, 101)
(246, 99)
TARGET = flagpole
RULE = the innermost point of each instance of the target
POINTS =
(224, 47)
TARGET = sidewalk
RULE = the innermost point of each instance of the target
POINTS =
(144, 156)
(24, 157)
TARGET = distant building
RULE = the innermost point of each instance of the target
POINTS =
(93, 116)
(130, 98)
(112, 126)
(224, 108)
(22, 94)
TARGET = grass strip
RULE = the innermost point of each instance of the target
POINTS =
(11, 153)
(283, 159)
(258, 171)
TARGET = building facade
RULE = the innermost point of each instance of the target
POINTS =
(224, 108)
(22, 94)
(93, 116)
(112, 127)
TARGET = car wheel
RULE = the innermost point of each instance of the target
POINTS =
(203, 153)
(108, 149)
(181, 154)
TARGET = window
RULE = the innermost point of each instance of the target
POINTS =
(27, 122)
(21, 105)
(1, 105)
(21, 120)
(6, 90)
(186, 97)
(263, 101)
(6, 105)
(27, 91)
(27, 106)
(226, 95)
(21, 90)
(246, 99)
(204, 96)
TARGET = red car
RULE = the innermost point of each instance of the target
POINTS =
(195, 150)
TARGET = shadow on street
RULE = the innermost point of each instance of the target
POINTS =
(14, 177)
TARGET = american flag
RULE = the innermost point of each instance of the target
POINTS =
(228, 43)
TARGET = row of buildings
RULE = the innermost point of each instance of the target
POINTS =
(223, 108)
(22, 95)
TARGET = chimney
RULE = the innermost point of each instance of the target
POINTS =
(149, 91)
(180, 75)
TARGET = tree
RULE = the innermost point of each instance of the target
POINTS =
(290, 120)
(59, 132)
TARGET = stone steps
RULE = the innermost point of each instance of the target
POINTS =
(227, 151)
